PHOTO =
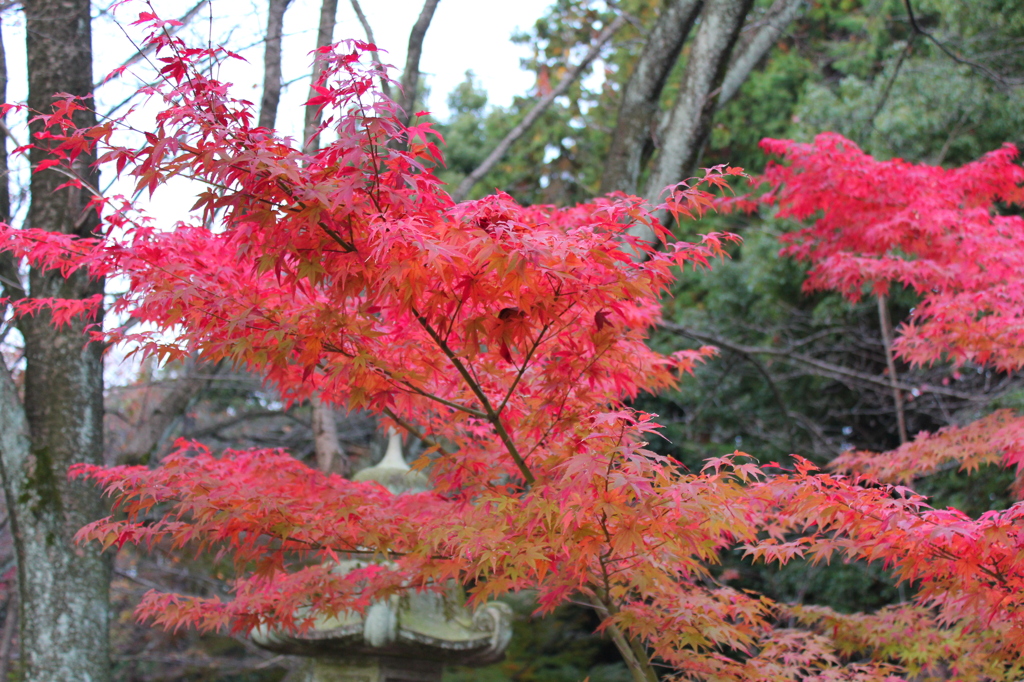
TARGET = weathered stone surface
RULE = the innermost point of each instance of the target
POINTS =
(416, 632)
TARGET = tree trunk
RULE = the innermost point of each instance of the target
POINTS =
(780, 15)
(63, 587)
(324, 37)
(157, 417)
(638, 112)
(690, 120)
(411, 75)
(330, 456)
(385, 86)
(272, 63)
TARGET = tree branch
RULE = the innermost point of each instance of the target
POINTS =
(385, 86)
(800, 419)
(534, 113)
(780, 15)
(411, 75)
(639, 667)
(823, 367)
(885, 322)
(887, 89)
(490, 414)
(150, 48)
(980, 68)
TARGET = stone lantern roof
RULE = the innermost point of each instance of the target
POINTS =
(405, 638)
(426, 626)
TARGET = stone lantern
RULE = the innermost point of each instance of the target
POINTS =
(407, 638)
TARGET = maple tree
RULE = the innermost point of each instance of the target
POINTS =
(937, 232)
(509, 340)
(944, 234)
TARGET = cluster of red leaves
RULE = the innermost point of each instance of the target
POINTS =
(941, 233)
(932, 229)
(937, 231)
(507, 338)
(995, 439)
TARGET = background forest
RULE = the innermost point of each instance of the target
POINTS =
(934, 81)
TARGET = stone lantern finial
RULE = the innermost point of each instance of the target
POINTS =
(405, 638)
(392, 472)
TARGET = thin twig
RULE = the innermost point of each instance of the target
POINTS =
(824, 368)
(885, 321)
(980, 68)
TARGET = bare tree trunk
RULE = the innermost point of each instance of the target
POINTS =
(780, 15)
(63, 587)
(272, 63)
(324, 37)
(411, 75)
(885, 322)
(330, 456)
(638, 112)
(535, 112)
(385, 86)
(690, 120)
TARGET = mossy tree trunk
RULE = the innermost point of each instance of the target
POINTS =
(57, 421)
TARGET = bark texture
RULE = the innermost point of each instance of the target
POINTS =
(158, 416)
(780, 15)
(689, 121)
(632, 140)
(330, 456)
(411, 75)
(385, 86)
(272, 63)
(63, 587)
(324, 37)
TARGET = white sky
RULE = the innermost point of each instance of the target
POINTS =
(464, 34)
